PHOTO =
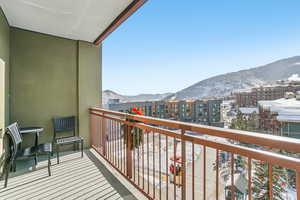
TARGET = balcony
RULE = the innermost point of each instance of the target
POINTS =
(53, 68)
(73, 178)
(121, 166)
(144, 157)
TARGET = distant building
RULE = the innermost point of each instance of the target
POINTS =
(214, 113)
(228, 112)
(205, 112)
(172, 111)
(280, 117)
(185, 109)
(250, 97)
(113, 101)
(146, 107)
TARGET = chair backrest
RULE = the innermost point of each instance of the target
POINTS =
(64, 124)
(15, 137)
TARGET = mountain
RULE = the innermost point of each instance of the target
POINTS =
(223, 85)
(108, 94)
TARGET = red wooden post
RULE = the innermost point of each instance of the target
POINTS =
(127, 132)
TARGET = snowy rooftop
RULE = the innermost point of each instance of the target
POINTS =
(287, 109)
(247, 110)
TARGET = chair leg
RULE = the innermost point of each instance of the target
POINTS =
(82, 149)
(57, 153)
(13, 166)
(36, 160)
(52, 148)
(49, 164)
(7, 169)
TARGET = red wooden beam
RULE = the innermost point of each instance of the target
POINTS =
(134, 6)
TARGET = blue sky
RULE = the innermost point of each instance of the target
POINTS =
(170, 44)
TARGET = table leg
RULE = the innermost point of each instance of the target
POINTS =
(36, 146)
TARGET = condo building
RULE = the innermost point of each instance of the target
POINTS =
(207, 112)
(250, 97)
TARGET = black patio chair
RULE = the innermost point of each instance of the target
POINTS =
(17, 153)
(65, 125)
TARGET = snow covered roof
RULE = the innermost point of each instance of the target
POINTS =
(287, 109)
(248, 110)
(289, 118)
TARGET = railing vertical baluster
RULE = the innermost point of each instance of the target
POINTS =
(193, 171)
(121, 150)
(103, 135)
(217, 174)
(153, 149)
(95, 138)
(249, 179)
(298, 184)
(109, 138)
(120, 146)
(138, 159)
(167, 168)
(133, 151)
(183, 159)
(114, 141)
(111, 142)
(94, 129)
(174, 172)
(270, 175)
(143, 157)
(124, 149)
(232, 177)
(204, 172)
(114, 144)
(148, 164)
(129, 152)
(159, 160)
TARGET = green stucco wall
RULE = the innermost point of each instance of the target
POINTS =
(89, 77)
(52, 76)
(4, 55)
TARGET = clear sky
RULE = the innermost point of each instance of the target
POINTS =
(170, 44)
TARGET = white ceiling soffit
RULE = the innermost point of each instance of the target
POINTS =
(74, 19)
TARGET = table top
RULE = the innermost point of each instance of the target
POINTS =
(25, 130)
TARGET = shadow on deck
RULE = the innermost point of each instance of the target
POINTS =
(73, 178)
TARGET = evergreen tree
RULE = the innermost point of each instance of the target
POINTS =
(240, 163)
(260, 185)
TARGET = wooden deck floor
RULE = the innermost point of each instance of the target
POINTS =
(73, 178)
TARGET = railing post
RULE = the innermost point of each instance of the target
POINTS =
(183, 159)
(298, 184)
(127, 132)
(104, 136)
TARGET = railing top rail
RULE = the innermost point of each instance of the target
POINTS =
(270, 141)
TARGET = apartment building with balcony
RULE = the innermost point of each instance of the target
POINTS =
(280, 117)
(172, 110)
(185, 111)
(207, 112)
(250, 97)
